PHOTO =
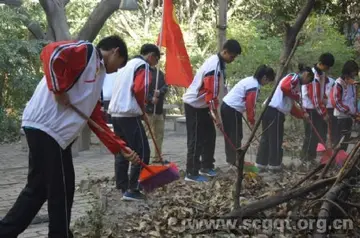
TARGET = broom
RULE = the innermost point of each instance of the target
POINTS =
(154, 177)
(166, 173)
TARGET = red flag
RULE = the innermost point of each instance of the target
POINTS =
(178, 68)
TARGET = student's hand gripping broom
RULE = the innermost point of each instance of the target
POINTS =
(155, 177)
(248, 166)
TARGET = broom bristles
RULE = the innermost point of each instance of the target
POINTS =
(165, 177)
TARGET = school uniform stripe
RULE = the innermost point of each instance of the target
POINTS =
(55, 55)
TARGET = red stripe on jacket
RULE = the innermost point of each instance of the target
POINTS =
(141, 87)
(314, 90)
(297, 112)
(211, 88)
(288, 86)
(63, 63)
(250, 101)
(336, 97)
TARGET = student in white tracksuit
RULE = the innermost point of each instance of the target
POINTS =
(128, 100)
(242, 98)
(201, 99)
(270, 150)
(343, 99)
(314, 102)
(74, 73)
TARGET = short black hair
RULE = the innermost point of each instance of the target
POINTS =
(232, 46)
(264, 70)
(349, 67)
(303, 68)
(327, 59)
(112, 42)
(150, 48)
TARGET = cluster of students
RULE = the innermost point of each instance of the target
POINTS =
(309, 94)
(74, 75)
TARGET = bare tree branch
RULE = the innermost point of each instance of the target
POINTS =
(33, 26)
(58, 28)
(97, 19)
(232, 9)
(148, 16)
(292, 32)
(196, 13)
(303, 14)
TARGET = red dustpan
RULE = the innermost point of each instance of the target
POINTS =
(320, 148)
(340, 158)
(327, 152)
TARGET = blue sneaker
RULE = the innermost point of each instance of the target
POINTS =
(197, 178)
(133, 196)
(208, 172)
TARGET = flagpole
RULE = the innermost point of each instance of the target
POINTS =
(159, 46)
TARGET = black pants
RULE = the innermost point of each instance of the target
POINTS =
(201, 136)
(311, 139)
(50, 178)
(106, 107)
(270, 150)
(131, 130)
(232, 123)
(333, 127)
(344, 129)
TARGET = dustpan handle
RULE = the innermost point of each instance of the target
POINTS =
(93, 123)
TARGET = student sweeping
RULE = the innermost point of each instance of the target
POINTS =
(131, 89)
(201, 99)
(314, 101)
(242, 97)
(343, 99)
(74, 73)
(270, 150)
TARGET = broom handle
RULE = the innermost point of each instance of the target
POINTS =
(225, 135)
(329, 131)
(313, 127)
(317, 133)
(248, 125)
(146, 119)
(94, 124)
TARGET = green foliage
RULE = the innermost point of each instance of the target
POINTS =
(321, 36)
(19, 71)
(256, 49)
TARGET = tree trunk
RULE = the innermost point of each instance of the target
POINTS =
(148, 16)
(97, 19)
(291, 34)
(58, 29)
(222, 23)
